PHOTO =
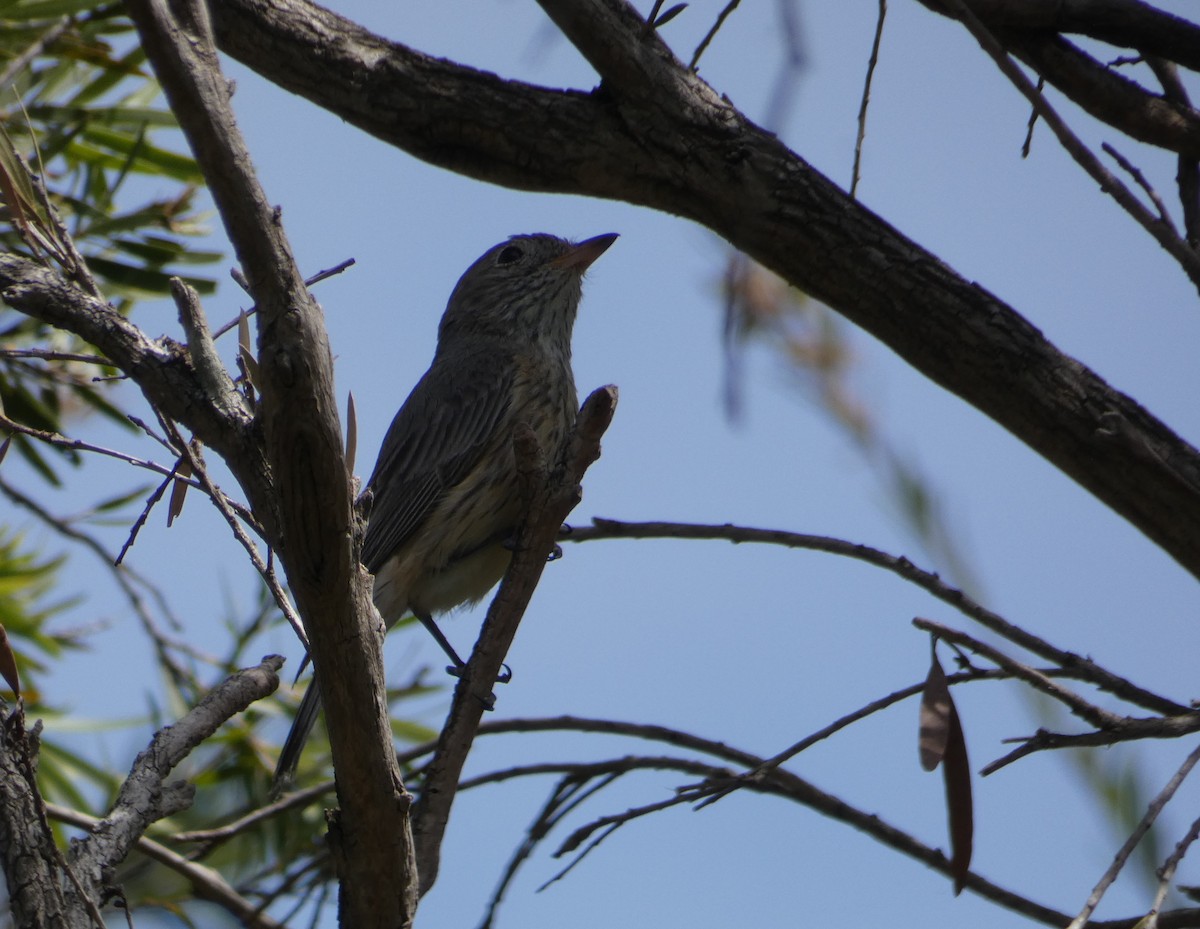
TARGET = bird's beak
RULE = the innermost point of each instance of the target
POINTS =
(582, 255)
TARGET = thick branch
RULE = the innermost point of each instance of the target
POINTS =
(28, 855)
(707, 162)
(317, 538)
(1123, 23)
(1107, 95)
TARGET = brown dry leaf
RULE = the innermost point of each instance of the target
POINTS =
(351, 433)
(959, 803)
(178, 490)
(8, 664)
(936, 707)
(941, 741)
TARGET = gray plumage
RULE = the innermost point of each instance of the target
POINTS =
(445, 494)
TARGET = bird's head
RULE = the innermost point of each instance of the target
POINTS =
(527, 286)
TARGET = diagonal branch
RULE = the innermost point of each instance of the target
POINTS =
(673, 145)
(145, 797)
(1160, 228)
(309, 518)
(1077, 666)
(551, 498)
(207, 883)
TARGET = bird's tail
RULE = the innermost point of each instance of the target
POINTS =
(302, 725)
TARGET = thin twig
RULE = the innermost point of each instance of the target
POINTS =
(1027, 145)
(866, 98)
(138, 523)
(315, 279)
(566, 796)
(1163, 233)
(61, 441)
(712, 33)
(1093, 714)
(1127, 730)
(1187, 176)
(1156, 806)
(1140, 179)
(222, 503)
(1167, 873)
(47, 355)
(1083, 668)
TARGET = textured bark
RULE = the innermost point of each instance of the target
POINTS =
(30, 861)
(654, 134)
(318, 534)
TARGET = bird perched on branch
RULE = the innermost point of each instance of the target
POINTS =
(446, 499)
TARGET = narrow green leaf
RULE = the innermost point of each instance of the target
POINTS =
(146, 280)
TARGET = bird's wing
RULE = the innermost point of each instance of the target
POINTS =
(435, 439)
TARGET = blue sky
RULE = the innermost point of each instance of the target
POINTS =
(753, 646)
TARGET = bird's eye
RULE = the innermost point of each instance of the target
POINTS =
(509, 254)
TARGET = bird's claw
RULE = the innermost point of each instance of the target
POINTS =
(503, 677)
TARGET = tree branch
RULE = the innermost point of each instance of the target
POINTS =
(160, 367)
(316, 535)
(144, 798)
(1077, 666)
(1124, 23)
(552, 496)
(692, 154)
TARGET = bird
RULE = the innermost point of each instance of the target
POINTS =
(444, 495)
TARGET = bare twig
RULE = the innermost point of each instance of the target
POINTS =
(223, 505)
(309, 282)
(1083, 668)
(1162, 232)
(48, 355)
(1156, 806)
(866, 97)
(712, 33)
(1187, 176)
(567, 795)
(138, 523)
(1093, 714)
(1167, 873)
(1127, 730)
(1027, 145)
(78, 445)
(1140, 179)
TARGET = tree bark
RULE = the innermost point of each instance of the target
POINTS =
(656, 135)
